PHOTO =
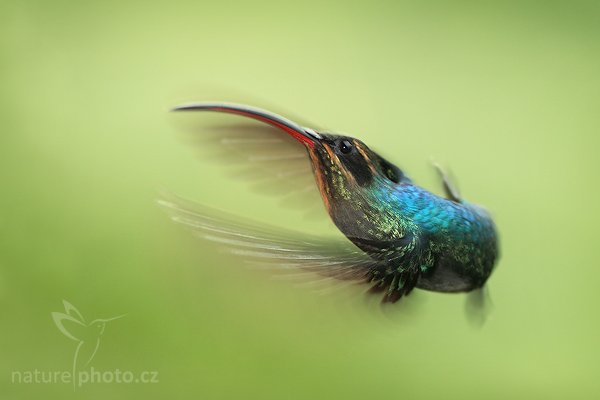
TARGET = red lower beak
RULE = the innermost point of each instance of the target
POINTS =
(303, 135)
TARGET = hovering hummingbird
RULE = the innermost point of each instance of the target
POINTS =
(87, 334)
(398, 236)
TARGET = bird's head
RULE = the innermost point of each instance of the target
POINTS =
(98, 325)
(345, 167)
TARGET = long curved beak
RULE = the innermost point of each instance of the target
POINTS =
(113, 318)
(304, 135)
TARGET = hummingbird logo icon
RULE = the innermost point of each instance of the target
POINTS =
(87, 334)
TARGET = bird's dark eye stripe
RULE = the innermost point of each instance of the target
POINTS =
(391, 172)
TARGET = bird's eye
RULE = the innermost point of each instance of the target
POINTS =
(345, 146)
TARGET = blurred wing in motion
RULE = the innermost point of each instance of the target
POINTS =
(450, 189)
(266, 156)
(278, 248)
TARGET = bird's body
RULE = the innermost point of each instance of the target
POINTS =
(409, 237)
(421, 239)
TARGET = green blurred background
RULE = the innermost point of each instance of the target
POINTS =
(505, 93)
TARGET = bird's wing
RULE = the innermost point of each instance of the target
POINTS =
(450, 189)
(71, 310)
(268, 245)
(69, 326)
(301, 254)
(266, 157)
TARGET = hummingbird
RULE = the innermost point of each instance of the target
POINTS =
(87, 334)
(396, 234)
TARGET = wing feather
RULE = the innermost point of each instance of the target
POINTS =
(267, 158)
(273, 247)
